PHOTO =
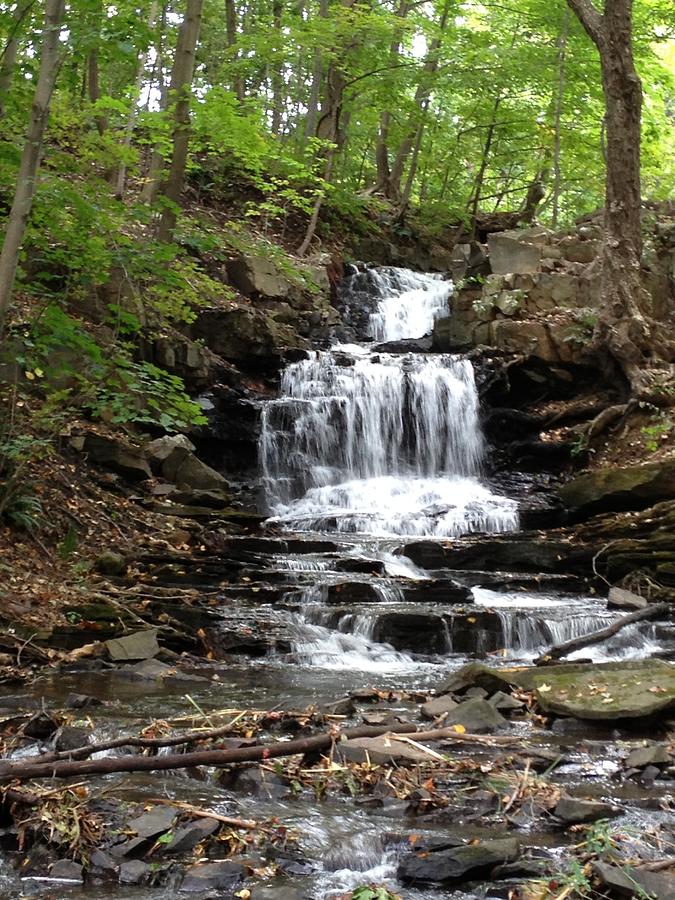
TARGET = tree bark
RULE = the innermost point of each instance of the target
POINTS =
(557, 118)
(317, 81)
(120, 181)
(30, 157)
(154, 173)
(382, 146)
(179, 92)
(622, 326)
(277, 69)
(231, 33)
(10, 52)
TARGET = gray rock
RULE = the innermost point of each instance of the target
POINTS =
(185, 470)
(161, 449)
(439, 706)
(653, 755)
(382, 750)
(69, 737)
(622, 881)
(477, 716)
(572, 811)
(141, 645)
(135, 871)
(457, 864)
(612, 489)
(111, 563)
(509, 255)
(622, 599)
(155, 821)
(258, 275)
(213, 876)
(66, 870)
(187, 837)
(257, 783)
(81, 701)
(102, 864)
(500, 700)
(118, 456)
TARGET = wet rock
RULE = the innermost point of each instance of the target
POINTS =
(213, 876)
(111, 563)
(478, 675)
(187, 837)
(476, 691)
(352, 592)
(41, 726)
(622, 881)
(628, 689)
(118, 456)
(81, 701)
(155, 821)
(476, 716)
(255, 782)
(615, 489)
(618, 598)
(383, 750)
(135, 871)
(439, 706)
(101, 863)
(141, 645)
(572, 811)
(412, 632)
(343, 707)
(502, 701)
(365, 695)
(366, 566)
(652, 755)
(69, 737)
(458, 864)
(66, 870)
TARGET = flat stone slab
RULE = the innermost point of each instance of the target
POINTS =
(457, 863)
(621, 690)
(382, 750)
(141, 645)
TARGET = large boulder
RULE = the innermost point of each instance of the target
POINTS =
(257, 275)
(509, 254)
(174, 456)
(246, 335)
(456, 864)
(116, 455)
(631, 487)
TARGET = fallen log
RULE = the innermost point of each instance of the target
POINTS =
(34, 768)
(595, 637)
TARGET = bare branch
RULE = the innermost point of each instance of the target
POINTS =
(590, 18)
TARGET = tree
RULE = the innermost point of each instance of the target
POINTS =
(179, 93)
(622, 322)
(30, 157)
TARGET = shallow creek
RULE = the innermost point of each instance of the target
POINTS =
(363, 452)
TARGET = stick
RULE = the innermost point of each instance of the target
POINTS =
(74, 768)
(595, 637)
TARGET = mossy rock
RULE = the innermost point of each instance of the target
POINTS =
(631, 487)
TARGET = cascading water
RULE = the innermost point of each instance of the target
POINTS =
(381, 444)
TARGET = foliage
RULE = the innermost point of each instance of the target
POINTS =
(373, 892)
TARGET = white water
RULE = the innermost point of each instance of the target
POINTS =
(381, 444)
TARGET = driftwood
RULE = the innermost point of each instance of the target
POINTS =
(595, 637)
(35, 768)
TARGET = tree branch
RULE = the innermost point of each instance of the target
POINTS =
(590, 18)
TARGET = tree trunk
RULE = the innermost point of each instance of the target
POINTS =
(622, 326)
(179, 92)
(277, 69)
(557, 118)
(10, 52)
(382, 146)
(317, 81)
(120, 181)
(154, 173)
(231, 33)
(30, 158)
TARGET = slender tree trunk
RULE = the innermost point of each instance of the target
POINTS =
(9, 54)
(179, 93)
(317, 81)
(382, 146)
(231, 33)
(485, 158)
(154, 174)
(622, 326)
(277, 70)
(30, 158)
(557, 120)
(120, 181)
(421, 98)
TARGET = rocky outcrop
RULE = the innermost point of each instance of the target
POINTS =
(631, 487)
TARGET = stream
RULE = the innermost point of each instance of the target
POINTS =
(365, 452)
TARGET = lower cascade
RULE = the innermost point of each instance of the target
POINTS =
(368, 442)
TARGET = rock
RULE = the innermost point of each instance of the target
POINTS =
(507, 254)
(69, 737)
(141, 645)
(135, 871)
(41, 726)
(66, 870)
(478, 675)
(159, 450)
(580, 251)
(258, 275)
(413, 632)
(622, 882)
(184, 469)
(366, 566)
(254, 782)
(439, 706)
(155, 821)
(353, 592)
(102, 864)
(476, 716)
(616, 489)
(621, 599)
(457, 864)
(652, 755)
(81, 701)
(247, 336)
(118, 456)
(187, 837)
(500, 700)
(111, 563)
(572, 811)
(213, 876)
(382, 750)
(629, 689)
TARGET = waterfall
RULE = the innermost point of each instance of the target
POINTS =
(379, 443)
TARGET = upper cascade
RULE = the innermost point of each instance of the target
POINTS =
(377, 443)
